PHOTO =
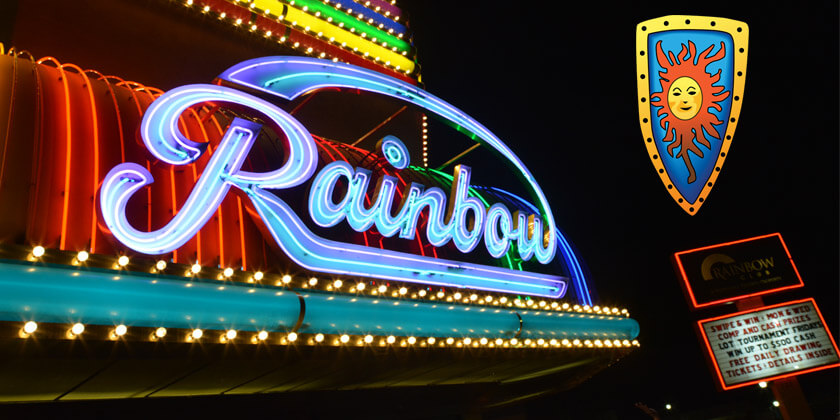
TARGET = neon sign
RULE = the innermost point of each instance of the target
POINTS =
(691, 73)
(459, 218)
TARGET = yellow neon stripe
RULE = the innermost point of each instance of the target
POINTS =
(338, 35)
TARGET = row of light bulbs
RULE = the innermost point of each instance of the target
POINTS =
(360, 17)
(337, 285)
(376, 9)
(282, 40)
(195, 335)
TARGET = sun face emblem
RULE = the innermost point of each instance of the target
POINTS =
(690, 74)
(685, 108)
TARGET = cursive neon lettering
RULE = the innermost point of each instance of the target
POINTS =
(461, 219)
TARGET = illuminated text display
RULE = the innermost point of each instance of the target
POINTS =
(769, 343)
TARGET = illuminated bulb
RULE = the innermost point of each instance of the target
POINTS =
(412, 340)
(667, 406)
(30, 327)
(762, 384)
(566, 342)
(391, 339)
(160, 265)
(576, 342)
(196, 334)
(313, 281)
(238, 21)
(499, 341)
(368, 339)
(450, 340)
(542, 304)
(440, 295)
(473, 297)
(258, 275)
(344, 338)
(228, 272)
(483, 341)
(422, 293)
(527, 341)
(120, 330)
(775, 403)
(287, 279)
(360, 286)
(540, 341)
(514, 341)
(230, 334)
(82, 256)
(457, 296)
(403, 290)
(383, 289)
(319, 337)
(337, 284)
(431, 340)
(488, 298)
(503, 300)
(262, 335)
(292, 337)
(206, 8)
(77, 329)
(38, 251)
(196, 268)
(160, 332)
(223, 15)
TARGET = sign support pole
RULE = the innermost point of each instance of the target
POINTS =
(791, 400)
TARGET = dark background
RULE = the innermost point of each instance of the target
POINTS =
(557, 82)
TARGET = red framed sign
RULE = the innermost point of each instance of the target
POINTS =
(768, 343)
(730, 271)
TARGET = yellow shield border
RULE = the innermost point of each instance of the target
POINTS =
(740, 34)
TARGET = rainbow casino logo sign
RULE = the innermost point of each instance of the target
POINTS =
(691, 72)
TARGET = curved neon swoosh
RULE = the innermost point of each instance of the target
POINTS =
(290, 77)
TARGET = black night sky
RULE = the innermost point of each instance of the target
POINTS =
(557, 82)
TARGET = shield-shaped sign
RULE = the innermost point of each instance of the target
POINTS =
(691, 72)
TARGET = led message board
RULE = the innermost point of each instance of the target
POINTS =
(768, 343)
(735, 270)
(691, 72)
(457, 217)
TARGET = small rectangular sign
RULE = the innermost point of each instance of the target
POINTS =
(735, 270)
(769, 343)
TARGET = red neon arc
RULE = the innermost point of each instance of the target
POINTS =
(63, 125)
(687, 286)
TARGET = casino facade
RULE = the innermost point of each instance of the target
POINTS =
(238, 198)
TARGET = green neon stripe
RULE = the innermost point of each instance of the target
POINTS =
(339, 16)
